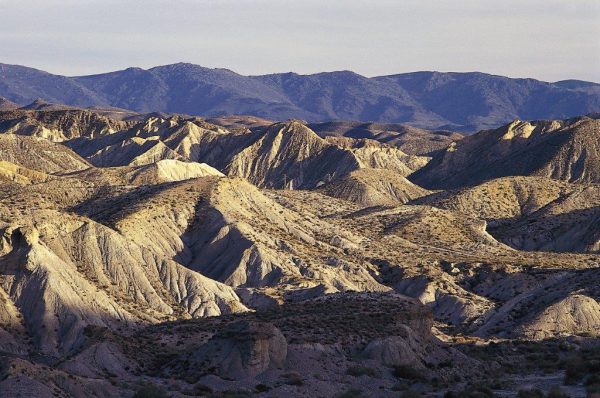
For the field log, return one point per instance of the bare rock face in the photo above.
(290, 155)
(134, 151)
(575, 314)
(167, 170)
(405, 349)
(244, 349)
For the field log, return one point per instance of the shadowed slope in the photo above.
(566, 150)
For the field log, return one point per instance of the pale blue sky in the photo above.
(545, 39)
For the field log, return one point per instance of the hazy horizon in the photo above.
(545, 40)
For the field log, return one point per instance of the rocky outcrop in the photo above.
(243, 349)
(228, 230)
(134, 151)
(576, 314)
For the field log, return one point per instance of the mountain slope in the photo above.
(506, 198)
(567, 150)
(24, 85)
(458, 101)
(291, 155)
(161, 272)
(373, 187)
(6, 105)
(568, 224)
(286, 154)
(411, 140)
(59, 125)
(64, 272)
(531, 213)
(486, 101)
(229, 231)
(39, 154)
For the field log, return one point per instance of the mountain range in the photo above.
(464, 102)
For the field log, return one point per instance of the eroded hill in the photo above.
(560, 149)
(174, 254)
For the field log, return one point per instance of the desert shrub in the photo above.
(575, 370)
(407, 372)
(293, 379)
(262, 388)
(358, 371)
(231, 394)
(201, 390)
(150, 391)
(474, 392)
(530, 394)
(592, 383)
(352, 393)
(556, 392)
(592, 389)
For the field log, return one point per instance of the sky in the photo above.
(545, 39)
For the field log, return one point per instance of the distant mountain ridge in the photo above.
(435, 100)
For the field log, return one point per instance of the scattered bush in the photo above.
(575, 370)
(262, 388)
(556, 392)
(150, 391)
(293, 379)
(231, 394)
(409, 373)
(530, 394)
(358, 371)
(352, 393)
(201, 389)
(473, 392)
